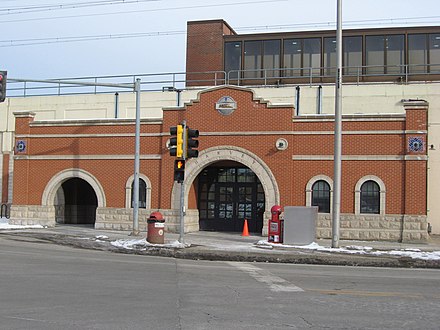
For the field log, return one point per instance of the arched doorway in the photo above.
(229, 193)
(80, 202)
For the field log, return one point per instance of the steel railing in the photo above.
(174, 81)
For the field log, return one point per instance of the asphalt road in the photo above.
(48, 286)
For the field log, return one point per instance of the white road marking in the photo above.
(275, 283)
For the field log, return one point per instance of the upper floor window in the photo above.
(352, 55)
(233, 58)
(385, 54)
(417, 53)
(321, 196)
(434, 53)
(302, 57)
(370, 198)
(252, 59)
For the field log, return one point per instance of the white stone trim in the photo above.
(86, 157)
(58, 179)
(310, 185)
(128, 185)
(358, 157)
(357, 193)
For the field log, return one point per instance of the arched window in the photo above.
(321, 196)
(142, 194)
(319, 193)
(370, 198)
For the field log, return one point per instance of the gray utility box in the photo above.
(300, 224)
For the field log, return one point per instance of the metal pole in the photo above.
(338, 132)
(137, 88)
(182, 192)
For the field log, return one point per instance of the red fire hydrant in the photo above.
(275, 225)
(156, 228)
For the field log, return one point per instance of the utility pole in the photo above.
(137, 89)
(336, 214)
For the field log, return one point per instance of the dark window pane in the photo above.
(321, 196)
(292, 57)
(252, 59)
(232, 58)
(312, 56)
(434, 53)
(395, 53)
(271, 58)
(352, 61)
(142, 194)
(370, 198)
(418, 53)
(330, 56)
(375, 58)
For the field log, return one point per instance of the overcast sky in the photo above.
(51, 26)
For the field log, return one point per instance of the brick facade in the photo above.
(101, 152)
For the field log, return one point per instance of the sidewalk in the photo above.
(234, 247)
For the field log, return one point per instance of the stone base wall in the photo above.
(32, 215)
(122, 219)
(397, 228)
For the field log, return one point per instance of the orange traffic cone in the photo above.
(245, 229)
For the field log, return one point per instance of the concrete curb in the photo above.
(293, 256)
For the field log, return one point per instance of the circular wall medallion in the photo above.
(226, 105)
(281, 144)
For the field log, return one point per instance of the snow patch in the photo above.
(143, 244)
(363, 250)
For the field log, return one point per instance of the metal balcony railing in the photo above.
(177, 81)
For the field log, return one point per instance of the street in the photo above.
(47, 286)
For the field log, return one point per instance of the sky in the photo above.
(39, 38)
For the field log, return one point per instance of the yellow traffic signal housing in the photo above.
(176, 141)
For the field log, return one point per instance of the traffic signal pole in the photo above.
(182, 191)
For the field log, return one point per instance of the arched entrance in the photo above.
(239, 155)
(80, 202)
(229, 193)
(75, 194)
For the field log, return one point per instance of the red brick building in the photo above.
(252, 156)
(254, 152)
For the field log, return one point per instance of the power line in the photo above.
(53, 40)
(140, 11)
(74, 5)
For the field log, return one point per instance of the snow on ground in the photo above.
(144, 244)
(4, 224)
(364, 250)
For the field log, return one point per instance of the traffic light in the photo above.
(176, 141)
(179, 170)
(192, 143)
(3, 75)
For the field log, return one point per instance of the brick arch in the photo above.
(240, 155)
(58, 179)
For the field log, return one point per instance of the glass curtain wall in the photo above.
(417, 53)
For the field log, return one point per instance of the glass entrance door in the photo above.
(228, 196)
